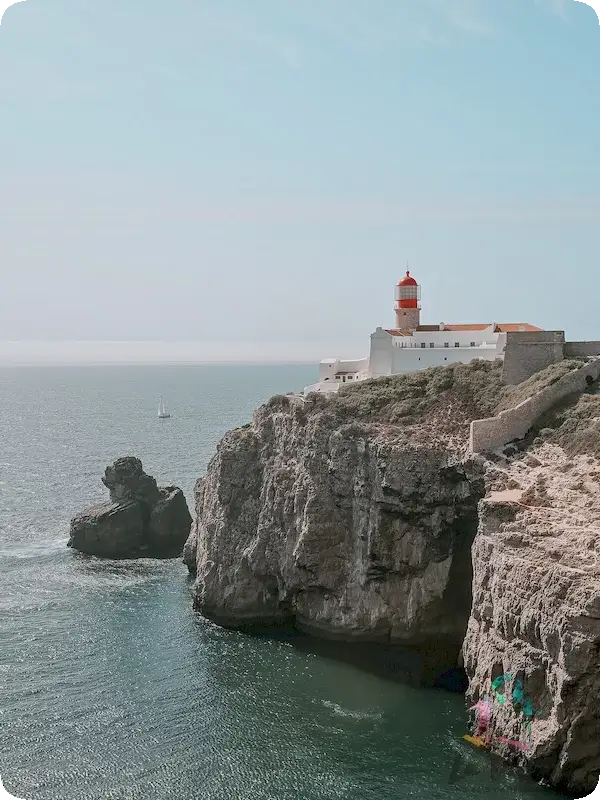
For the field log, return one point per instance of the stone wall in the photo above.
(514, 423)
(582, 349)
(529, 352)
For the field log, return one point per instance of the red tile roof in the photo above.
(478, 327)
(512, 327)
(500, 327)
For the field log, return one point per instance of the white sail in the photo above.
(162, 413)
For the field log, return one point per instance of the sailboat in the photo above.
(162, 411)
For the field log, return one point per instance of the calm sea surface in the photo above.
(110, 685)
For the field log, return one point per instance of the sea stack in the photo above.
(141, 520)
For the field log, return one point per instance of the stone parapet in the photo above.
(582, 349)
(512, 424)
(528, 352)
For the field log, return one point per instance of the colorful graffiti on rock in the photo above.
(484, 710)
(485, 728)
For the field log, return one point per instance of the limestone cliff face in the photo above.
(536, 605)
(356, 531)
(363, 517)
(348, 533)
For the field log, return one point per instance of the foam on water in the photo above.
(346, 712)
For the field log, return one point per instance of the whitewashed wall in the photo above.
(410, 359)
(464, 338)
(380, 358)
(329, 367)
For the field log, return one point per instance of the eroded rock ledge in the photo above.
(141, 519)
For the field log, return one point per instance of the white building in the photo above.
(411, 346)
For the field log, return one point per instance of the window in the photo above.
(446, 344)
(349, 377)
(456, 344)
(472, 344)
(423, 344)
(431, 344)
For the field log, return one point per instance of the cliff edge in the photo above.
(535, 620)
(352, 516)
(363, 516)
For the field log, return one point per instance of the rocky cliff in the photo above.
(536, 597)
(141, 519)
(352, 515)
(346, 515)
(362, 516)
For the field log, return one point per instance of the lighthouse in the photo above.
(410, 346)
(407, 308)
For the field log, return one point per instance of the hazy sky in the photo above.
(260, 171)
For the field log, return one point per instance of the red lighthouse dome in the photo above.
(407, 280)
(408, 292)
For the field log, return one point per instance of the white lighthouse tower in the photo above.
(407, 308)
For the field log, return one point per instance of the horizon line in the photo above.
(174, 363)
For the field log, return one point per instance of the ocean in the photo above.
(112, 687)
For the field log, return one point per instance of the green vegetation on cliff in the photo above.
(451, 397)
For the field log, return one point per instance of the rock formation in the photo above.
(355, 529)
(141, 519)
(363, 517)
(536, 596)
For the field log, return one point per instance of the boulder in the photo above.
(110, 530)
(168, 515)
(189, 551)
(126, 480)
(141, 519)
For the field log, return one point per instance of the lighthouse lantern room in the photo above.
(407, 308)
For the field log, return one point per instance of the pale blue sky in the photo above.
(260, 171)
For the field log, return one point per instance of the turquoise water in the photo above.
(111, 687)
